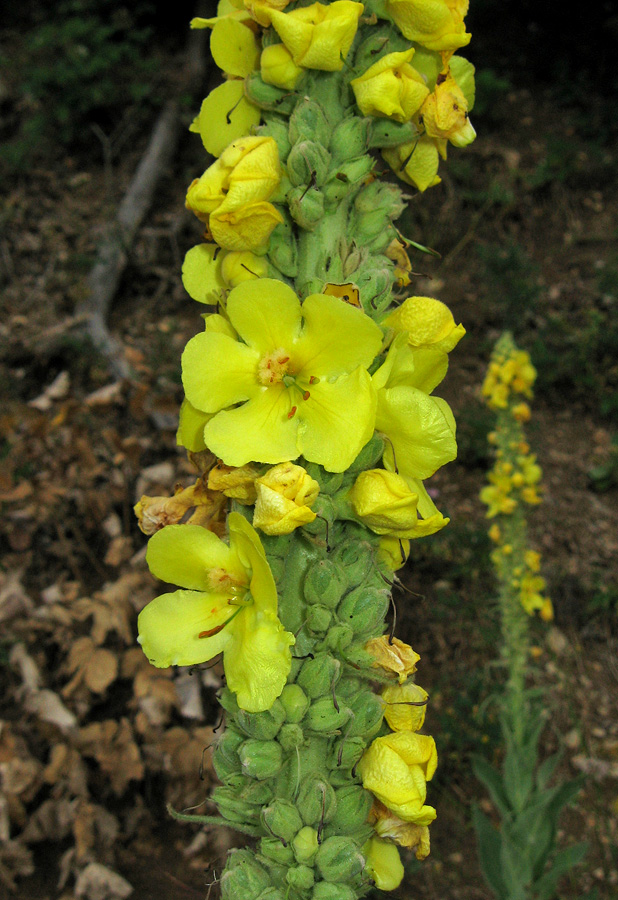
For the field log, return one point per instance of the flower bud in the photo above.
(338, 637)
(393, 655)
(325, 583)
(306, 206)
(405, 706)
(383, 864)
(393, 552)
(260, 759)
(282, 819)
(262, 725)
(238, 266)
(233, 808)
(376, 280)
(353, 805)
(272, 893)
(350, 138)
(267, 96)
(318, 619)
(285, 494)
(243, 877)
(257, 793)
(305, 844)
(339, 860)
(274, 849)
(291, 736)
(385, 133)
(300, 877)
(325, 890)
(282, 250)
(308, 163)
(348, 172)
(308, 122)
(278, 68)
(369, 455)
(316, 801)
(368, 712)
(278, 130)
(324, 718)
(295, 702)
(356, 558)
(319, 675)
(346, 752)
(225, 756)
(329, 482)
(364, 609)
(383, 501)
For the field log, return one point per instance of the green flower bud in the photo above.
(227, 699)
(387, 133)
(339, 860)
(225, 756)
(267, 96)
(364, 609)
(325, 890)
(325, 583)
(278, 129)
(338, 637)
(353, 805)
(295, 702)
(301, 877)
(306, 206)
(273, 894)
(308, 122)
(308, 163)
(316, 801)
(318, 618)
(261, 759)
(379, 42)
(305, 844)
(318, 675)
(350, 138)
(233, 808)
(226, 769)
(263, 725)
(329, 482)
(346, 752)
(282, 249)
(324, 718)
(368, 711)
(290, 737)
(273, 849)
(258, 793)
(356, 558)
(243, 877)
(375, 283)
(379, 197)
(369, 456)
(282, 819)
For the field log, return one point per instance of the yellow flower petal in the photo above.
(416, 163)
(186, 554)
(201, 273)
(405, 706)
(204, 358)
(391, 88)
(319, 36)
(382, 864)
(225, 116)
(266, 314)
(436, 24)
(170, 626)
(427, 322)
(277, 67)
(393, 655)
(191, 426)
(234, 47)
(247, 228)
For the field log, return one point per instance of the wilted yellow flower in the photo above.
(154, 513)
(284, 497)
(445, 115)
(382, 864)
(319, 36)
(416, 162)
(391, 88)
(236, 483)
(427, 322)
(277, 67)
(231, 195)
(396, 768)
(435, 24)
(396, 251)
(405, 706)
(393, 552)
(390, 827)
(383, 501)
(393, 655)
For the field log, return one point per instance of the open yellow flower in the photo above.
(391, 88)
(295, 382)
(231, 196)
(420, 429)
(415, 162)
(229, 607)
(318, 36)
(435, 24)
(382, 864)
(285, 495)
(396, 769)
(427, 322)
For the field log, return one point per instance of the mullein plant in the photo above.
(519, 859)
(309, 413)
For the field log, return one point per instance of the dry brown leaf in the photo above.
(185, 750)
(94, 828)
(111, 743)
(97, 882)
(52, 821)
(93, 666)
(15, 862)
(14, 601)
(48, 707)
(66, 771)
(119, 551)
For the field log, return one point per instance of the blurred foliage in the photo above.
(512, 279)
(605, 476)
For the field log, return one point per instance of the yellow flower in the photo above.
(521, 412)
(531, 587)
(383, 501)
(230, 607)
(445, 115)
(416, 162)
(406, 834)
(420, 429)
(154, 513)
(393, 552)
(284, 497)
(405, 706)
(231, 195)
(391, 88)
(225, 116)
(435, 24)
(319, 36)
(382, 864)
(191, 424)
(396, 769)
(260, 10)
(393, 655)
(234, 47)
(236, 483)
(277, 67)
(427, 322)
(396, 251)
(283, 388)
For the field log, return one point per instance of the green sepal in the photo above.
(243, 877)
(275, 850)
(261, 759)
(339, 860)
(316, 801)
(323, 717)
(282, 819)
(319, 675)
(308, 122)
(325, 583)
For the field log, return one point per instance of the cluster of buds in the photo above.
(309, 410)
(515, 478)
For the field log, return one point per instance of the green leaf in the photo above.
(489, 846)
(546, 770)
(545, 887)
(493, 782)
(516, 870)
(518, 778)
